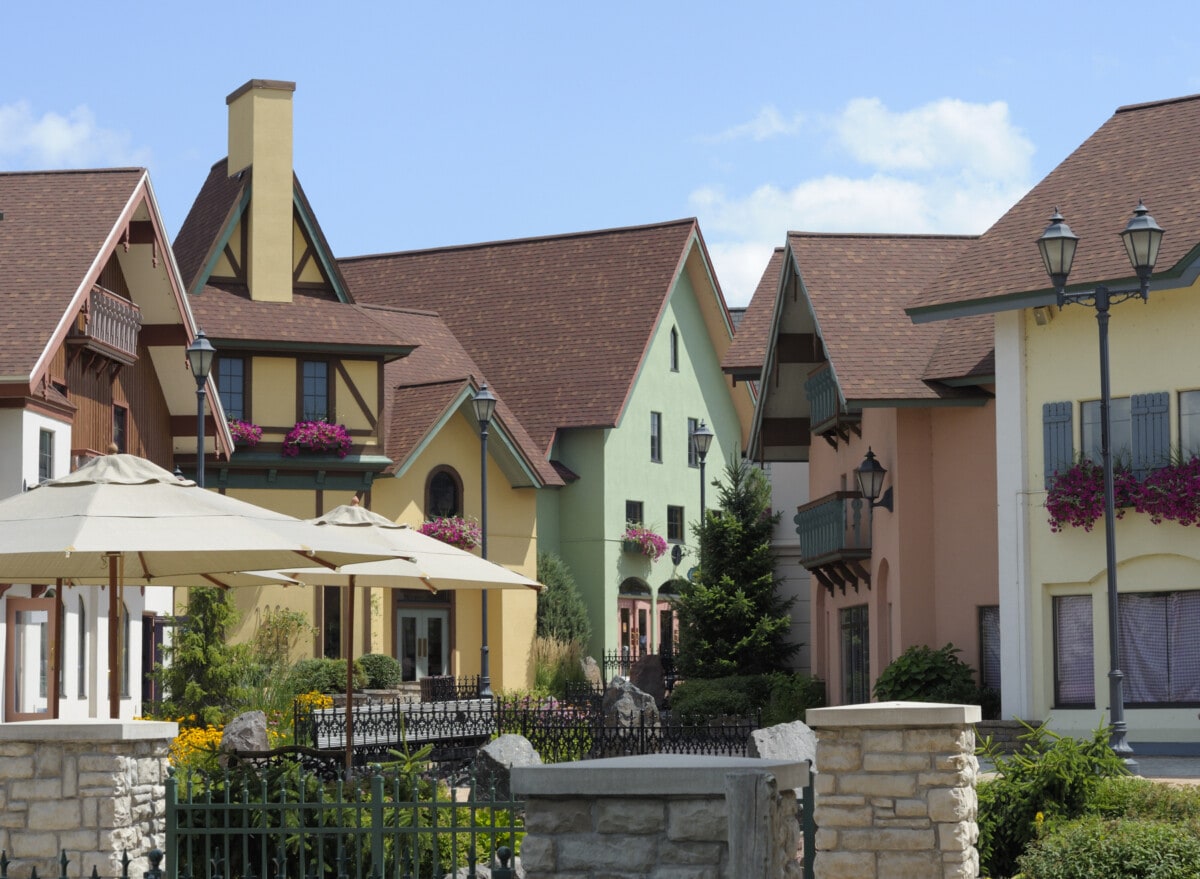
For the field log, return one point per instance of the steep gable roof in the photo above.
(1145, 151)
(746, 355)
(315, 320)
(52, 246)
(857, 286)
(424, 388)
(559, 324)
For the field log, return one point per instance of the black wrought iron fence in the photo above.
(621, 662)
(59, 868)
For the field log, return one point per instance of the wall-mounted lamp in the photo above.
(870, 482)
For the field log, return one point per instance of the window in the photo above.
(856, 655)
(674, 350)
(633, 512)
(656, 437)
(231, 386)
(989, 647)
(1189, 423)
(693, 458)
(1122, 429)
(1160, 647)
(1074, 665)
(120, 423)
(675, 524)
(45, 455)
(1140, 432)
(443, 493)
(82, 664)
(331, 618)
(314, 390)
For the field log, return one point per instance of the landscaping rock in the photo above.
(786, 741)
(647, 676)
(246, 732)
(495, 760)
(627, 707)
(591, 671)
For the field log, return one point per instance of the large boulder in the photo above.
(591, 671)
(495, 760)
(627, 707)
(246, 732)
(786, 741)
(647, 676)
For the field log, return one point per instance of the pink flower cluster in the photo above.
(316, 436)
(454, 530)
(245, 433)
(1171, 493)
(645, 541)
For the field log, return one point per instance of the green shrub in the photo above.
(561, 613)
(382, 671)
(323, 676)
(1092, 847)
(923, 674)
(737, 695)
(791, 696)
(1131, 797)
(1051, 775)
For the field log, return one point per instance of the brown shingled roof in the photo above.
(858, 286)
(54, 228)
(1145, 151)
(749, 348)
(559, 324)
(420, 387)
(209, 214)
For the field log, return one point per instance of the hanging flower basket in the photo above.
(245, 433)
(454, 530)
(316, 437)
(1076, 497)
(637, 539)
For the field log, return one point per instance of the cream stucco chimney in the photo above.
(260, 137)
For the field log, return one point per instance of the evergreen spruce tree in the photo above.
(732, 620)
(561, 613)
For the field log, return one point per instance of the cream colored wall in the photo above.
(365, 376)
(273, 395)
(1152, 348)
(512, 532)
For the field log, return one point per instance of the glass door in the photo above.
(30, 662)
(422, 642)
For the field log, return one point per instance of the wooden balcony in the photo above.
(107, 326)
(829, 418)
(835, 539)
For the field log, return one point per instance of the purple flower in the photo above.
(454, 530)
(316, 436)
(245, 433)
(645, 541)
(1076, 497)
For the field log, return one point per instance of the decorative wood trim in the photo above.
(354, 392)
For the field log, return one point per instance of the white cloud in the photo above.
(56, 141)
(767, 124)
(946, 167)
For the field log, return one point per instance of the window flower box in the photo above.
(245, 433)
(455, 530)
(316, 438)
(1075, 498)
(643, 541)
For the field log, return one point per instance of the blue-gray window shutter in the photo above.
(1150, 414)
(1058, 437)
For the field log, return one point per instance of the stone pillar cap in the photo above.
(894, 714)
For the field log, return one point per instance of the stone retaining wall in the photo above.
(896, 791)
(94, 789)
(662, 816)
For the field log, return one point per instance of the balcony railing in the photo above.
(835, 537)
(108, 325)
(826, 414)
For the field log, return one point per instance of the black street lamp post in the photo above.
(200, 358)
(1142, 237)
(485, 406)
(702, 437)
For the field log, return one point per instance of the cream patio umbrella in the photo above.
(420, 561)
(122, 511)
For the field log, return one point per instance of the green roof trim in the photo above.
(325, 259)
(226, 233)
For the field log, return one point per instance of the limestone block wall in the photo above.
(94, 789)
(896, 791)
(661, 816)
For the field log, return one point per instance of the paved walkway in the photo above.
(1185, 770)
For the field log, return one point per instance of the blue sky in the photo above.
(425, 125)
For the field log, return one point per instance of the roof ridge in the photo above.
(137, 169)
(1129, 108)
(398, 309)
(900, 236)
(507, 242)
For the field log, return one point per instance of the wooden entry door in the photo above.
(31, 661)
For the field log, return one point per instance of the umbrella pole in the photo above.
(114, 629)
(349, 628)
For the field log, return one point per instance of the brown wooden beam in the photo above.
(823, 580)
(799, 348)
(162, 336)
(786, 432)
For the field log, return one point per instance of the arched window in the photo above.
(443, 493)
(674, 350)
